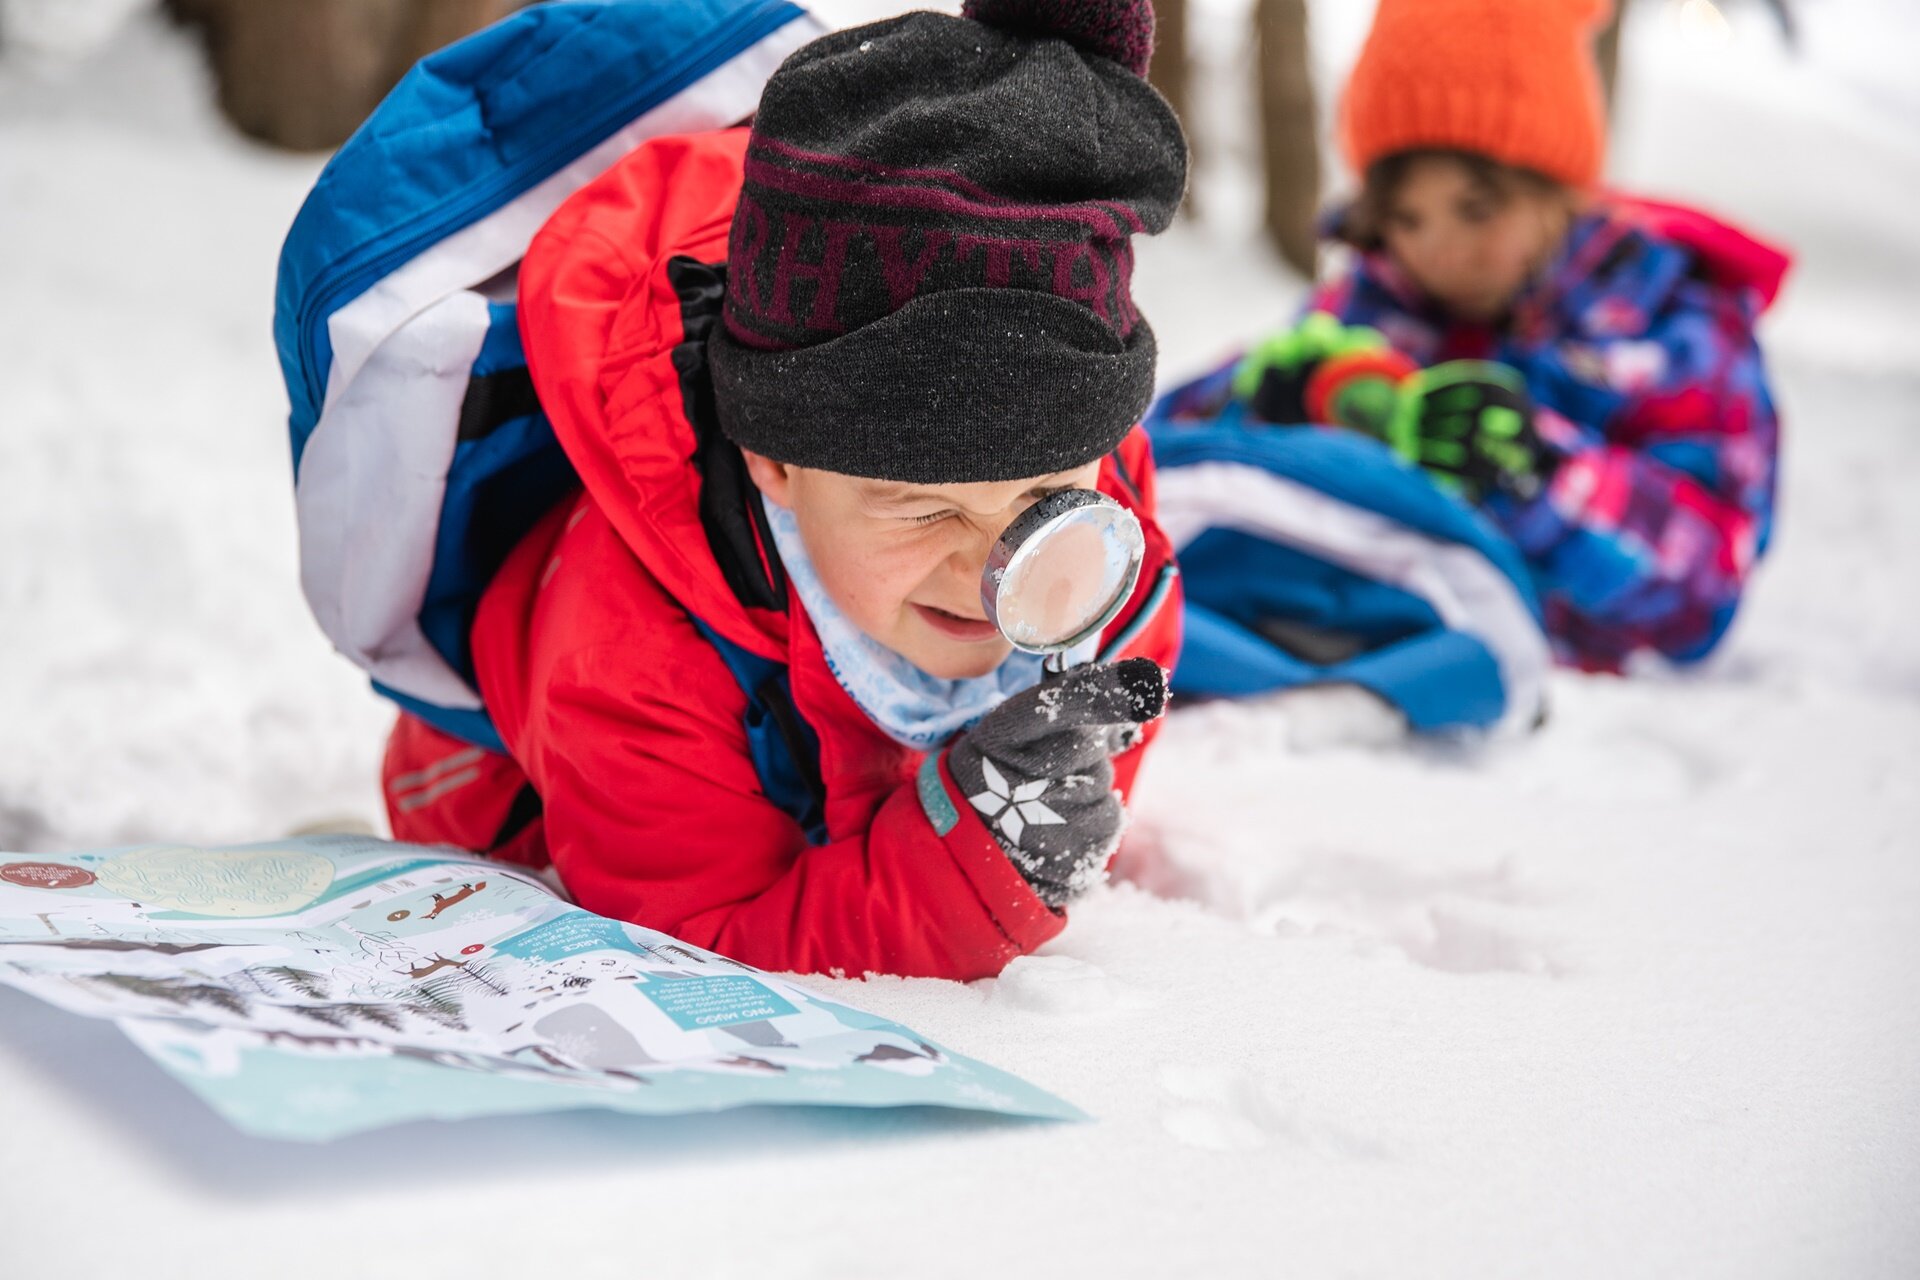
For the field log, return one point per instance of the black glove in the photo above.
(1039, 769)
(1470, 424)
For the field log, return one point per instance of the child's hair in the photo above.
(1363, 223)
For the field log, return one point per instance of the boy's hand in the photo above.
(1039, 770)
(1470, 424)
(1272, 378)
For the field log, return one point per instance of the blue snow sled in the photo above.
(421, 455)
(1314, 556)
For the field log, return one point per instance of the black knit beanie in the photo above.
(928, 271)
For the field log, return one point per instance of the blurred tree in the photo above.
(1289, 131)
(303, 74)
(1289, 128)
(1606, 51)
(1606, 48)
(1290, 153)
(1168, 70)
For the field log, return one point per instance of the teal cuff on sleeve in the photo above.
(934, 801)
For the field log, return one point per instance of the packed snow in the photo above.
(1638, 995)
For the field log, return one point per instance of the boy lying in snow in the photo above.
(922, 325)
(1580, 365)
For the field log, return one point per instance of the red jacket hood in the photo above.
(1732, 258)
(600, 320)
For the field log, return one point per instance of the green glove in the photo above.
(1272, 377)
(1469, 423)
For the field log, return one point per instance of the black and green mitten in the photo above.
(1272, 378)
(1469, 423)
(1039, 770)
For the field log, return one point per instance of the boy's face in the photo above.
(903, 561)
(1470, 245)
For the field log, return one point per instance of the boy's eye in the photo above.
(929, 519)
(1403, 222)
(1475, 211)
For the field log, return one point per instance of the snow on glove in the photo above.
(1272, 378)
(1469, 423)
(1039, 769)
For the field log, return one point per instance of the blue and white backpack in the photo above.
(1312, 556)
(420, 452)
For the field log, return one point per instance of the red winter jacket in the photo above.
(625, 719)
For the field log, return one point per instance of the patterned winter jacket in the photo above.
(1638, 344)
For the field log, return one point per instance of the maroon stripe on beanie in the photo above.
(768, 265)
(747, 336)
(947, 177)
(760, 296)
(812, 186)
(901, 276)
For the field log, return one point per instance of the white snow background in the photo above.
(1637, 997)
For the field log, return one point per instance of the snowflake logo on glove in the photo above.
(1013, 809)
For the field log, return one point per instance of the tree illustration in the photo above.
(176, 991)
(307, 983)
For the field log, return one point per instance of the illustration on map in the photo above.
(313, 987)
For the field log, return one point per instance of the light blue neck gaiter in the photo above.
(913, 708)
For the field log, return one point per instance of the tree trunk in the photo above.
(303, 74)
(1290, 142)
(434, 24)
(1168, 70)
(1606, 51)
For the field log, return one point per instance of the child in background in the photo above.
(808, 373)
(1579, 364)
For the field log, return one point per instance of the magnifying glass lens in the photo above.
(1062, 571)
(1055, 594)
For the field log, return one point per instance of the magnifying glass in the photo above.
(1062, 571)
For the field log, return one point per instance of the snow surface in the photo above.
(1636, 997)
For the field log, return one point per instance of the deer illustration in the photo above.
(441, 903)
(436, 965)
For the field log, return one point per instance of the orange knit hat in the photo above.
(1511, 79)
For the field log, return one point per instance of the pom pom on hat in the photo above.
(1118, 29)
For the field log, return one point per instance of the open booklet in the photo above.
(314, 987)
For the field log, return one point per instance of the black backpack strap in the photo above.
(786, 751)
(521, 814)
(784, 747)
(731, 509)
(495, 399)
